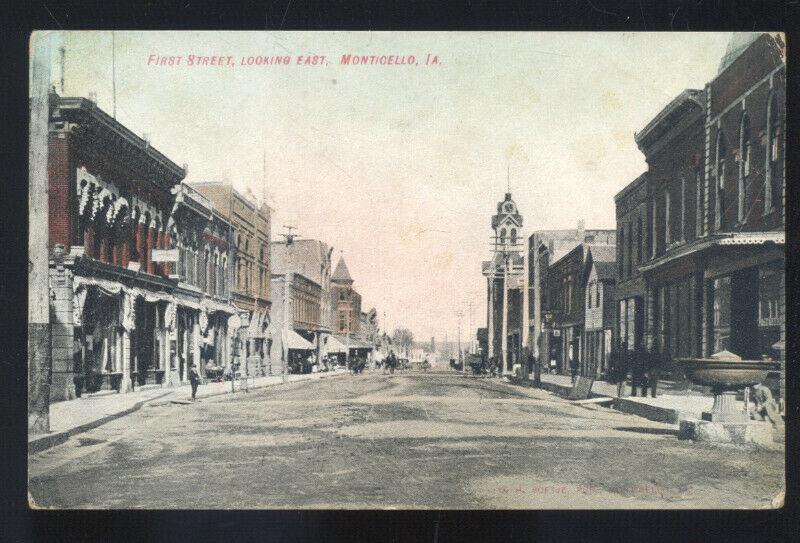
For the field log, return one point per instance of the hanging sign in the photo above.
(164, 255)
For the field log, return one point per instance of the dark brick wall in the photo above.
(680, 160)
(60, 200)
(755, 63)
(756, 218)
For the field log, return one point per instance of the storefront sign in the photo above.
(164, 255)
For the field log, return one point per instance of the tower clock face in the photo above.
(509, 208)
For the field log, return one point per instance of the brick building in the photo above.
(564, 308)
(297, 311)
(110, 198)
(203, 240)
(346, 310)
(549, 288)
(632, 212)
(250, 293)
(311, 258)
(714, 264)
(673, 146)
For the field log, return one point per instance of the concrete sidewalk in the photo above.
(666, 407)
(72, 417)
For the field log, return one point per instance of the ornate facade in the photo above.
(110, 197)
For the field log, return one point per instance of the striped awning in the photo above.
(293, 340)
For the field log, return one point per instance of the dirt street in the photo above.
(420, 441)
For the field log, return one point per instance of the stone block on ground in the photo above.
(738, 433)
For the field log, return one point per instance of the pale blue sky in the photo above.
(401, 167)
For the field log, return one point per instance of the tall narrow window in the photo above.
(667, 226)
(744, 164)
(629, 256)
(653, 228)
(639, 234)
(720, 167)
(623, 256)
(698, 219)
(682, 234)
(771, 187)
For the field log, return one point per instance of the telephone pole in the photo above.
(460, 314)
(39, 331)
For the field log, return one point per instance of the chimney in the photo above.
(93, 97)
(581, 230)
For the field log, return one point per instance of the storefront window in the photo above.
(771, 319)
(721, 327)
(631, 324)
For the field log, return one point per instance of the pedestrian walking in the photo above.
(573, 363)
(194, 379)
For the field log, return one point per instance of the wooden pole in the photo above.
(39, 332)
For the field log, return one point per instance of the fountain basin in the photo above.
(722, 375)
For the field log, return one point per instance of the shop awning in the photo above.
(334, 345)
(211, 306)
(723, 239)
(113, 288)
(353, 343)
(293, 340)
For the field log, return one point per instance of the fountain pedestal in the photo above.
(726, 373)
(724, 408)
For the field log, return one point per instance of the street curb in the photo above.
(51, 440)
(623, 405)
(267, 385)
(47, 441)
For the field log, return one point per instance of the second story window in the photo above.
(639, 234)
(629, 251)
(623, 256)
(720, 170)
(744, 164)
(771, 185)
(667, 222)
(653, 228)
(699, 206)
(682, 233)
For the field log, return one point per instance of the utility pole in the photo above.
(537, 315)
(39, 331)
(470, 329)
(504, 329)
(507, 250)
(460, 314)
(113, 74)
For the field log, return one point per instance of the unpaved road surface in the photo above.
(422, 441)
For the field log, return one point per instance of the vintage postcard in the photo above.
(407, 270)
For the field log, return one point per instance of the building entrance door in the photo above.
(744, 313)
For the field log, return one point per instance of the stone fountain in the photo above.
(726, 374)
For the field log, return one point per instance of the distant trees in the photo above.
(403, 339)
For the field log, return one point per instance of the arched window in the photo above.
(771, 187)
(502, 236)
(224, 275)
(513, 236)
(744, 163)
(721, 151)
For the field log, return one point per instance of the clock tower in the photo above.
(502, 273)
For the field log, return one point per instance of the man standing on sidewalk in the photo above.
(194, 379)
